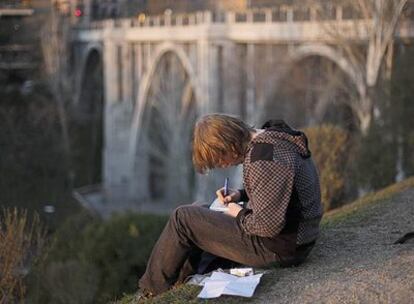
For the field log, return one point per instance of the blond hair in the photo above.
(219, 137)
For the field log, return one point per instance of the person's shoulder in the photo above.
(270, 148)
(265, 146)
(261, 151)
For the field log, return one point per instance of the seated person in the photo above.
(280, 223)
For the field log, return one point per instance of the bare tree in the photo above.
(366, 40)
(374, 21)
(55, 45)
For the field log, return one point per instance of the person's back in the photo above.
(279, 157)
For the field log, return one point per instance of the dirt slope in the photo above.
(355, 261)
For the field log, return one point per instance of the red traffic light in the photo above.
(78, 12)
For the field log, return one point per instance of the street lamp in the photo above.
(49, 210)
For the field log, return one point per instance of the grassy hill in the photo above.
(354, 260)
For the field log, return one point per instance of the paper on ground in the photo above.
(241, 272)
(222, 283)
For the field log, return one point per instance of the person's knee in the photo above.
(183, 219)
(183, 209)
(180, 213)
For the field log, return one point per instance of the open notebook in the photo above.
(217, 206)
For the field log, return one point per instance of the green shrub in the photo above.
(71, 281)
(376, 156)
(330, 146)
(409, 157)
(95, 261)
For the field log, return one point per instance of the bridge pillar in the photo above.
(207, 70)
(251, 83)
(127, 73)
(111, 68)
(232, 71)
(117, 120)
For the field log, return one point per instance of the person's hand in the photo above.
(232, 196)
(234, 209)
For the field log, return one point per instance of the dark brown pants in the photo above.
(191, 230)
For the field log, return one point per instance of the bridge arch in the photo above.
(343, 63)
(324, 52)
(92, 49)
(320, 106)
(146, 85)
(329, 52)
(169, 86)
(87, 122)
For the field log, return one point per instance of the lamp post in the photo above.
(49, 210)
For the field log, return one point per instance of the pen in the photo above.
(226, 186)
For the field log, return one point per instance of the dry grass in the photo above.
(21, 239)
(352, 209)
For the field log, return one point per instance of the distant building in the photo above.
(20, 30)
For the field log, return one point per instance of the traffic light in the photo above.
(78, 12)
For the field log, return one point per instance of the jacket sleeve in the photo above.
(271, 185)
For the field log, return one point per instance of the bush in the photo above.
(376, 158)
(94, 261)
(21, 240)
(71, 281)
(409, 157)
(330, 146)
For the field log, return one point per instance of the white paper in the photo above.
(216, 205)
(241, 272)
(222, 283)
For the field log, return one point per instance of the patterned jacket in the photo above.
(281, 184)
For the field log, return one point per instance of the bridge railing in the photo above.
(259, 15)
(283, 13)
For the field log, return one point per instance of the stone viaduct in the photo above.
(229, 62)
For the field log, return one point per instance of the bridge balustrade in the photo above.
(96, 25)
(302, 14)
(278, 15)
(283, 13)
